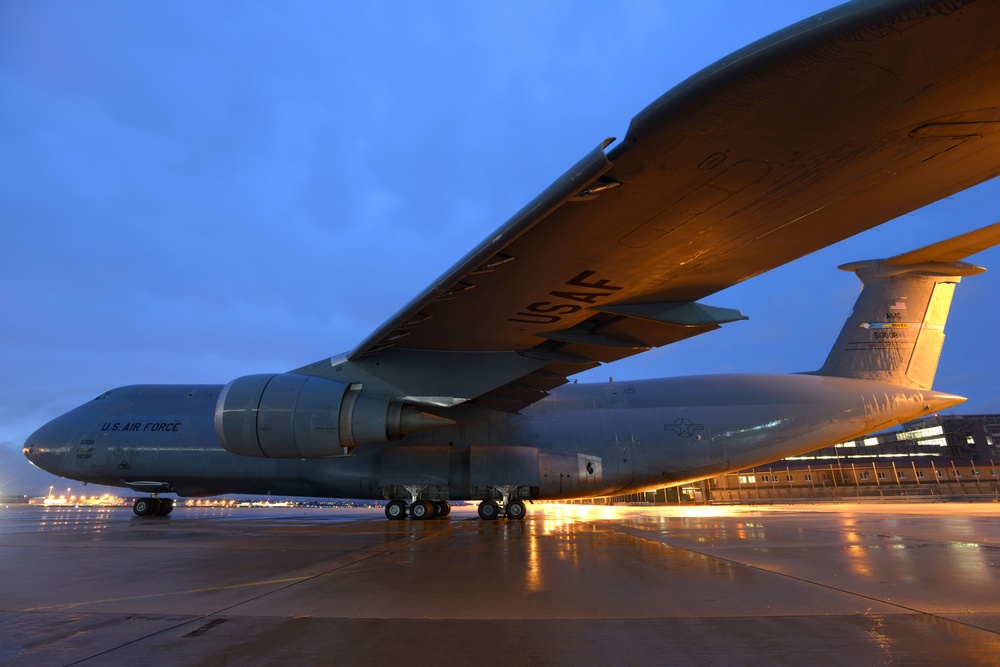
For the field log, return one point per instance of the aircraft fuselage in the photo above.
(585, 440)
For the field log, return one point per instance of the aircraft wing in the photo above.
(804, 138)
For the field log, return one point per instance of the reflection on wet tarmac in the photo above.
(867, 584)
(93, 519)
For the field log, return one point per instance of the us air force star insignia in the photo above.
(684, 427)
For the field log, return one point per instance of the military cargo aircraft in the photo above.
(813, 134)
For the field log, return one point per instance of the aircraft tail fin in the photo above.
(896, 330)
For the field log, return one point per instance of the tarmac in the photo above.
(845, 584)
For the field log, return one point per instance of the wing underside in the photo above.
(818, 132)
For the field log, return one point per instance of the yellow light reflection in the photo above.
(533, 575)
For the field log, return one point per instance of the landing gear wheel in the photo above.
(395, 509)
(515, 510)
(166, 506)
(143, 506)
(422, 509)
(442, 508)
(489, 510)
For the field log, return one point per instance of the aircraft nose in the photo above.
(43, 452)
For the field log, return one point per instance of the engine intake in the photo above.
(290, 416)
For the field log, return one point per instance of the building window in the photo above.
(826, 477)
(791, 478)
(940, 473)
(901, 474)
(881, 474)
(975, 472)
(920, 474)
(958, 473)
(809, 477)
(993, 472)
(863, 475)
(748, 479)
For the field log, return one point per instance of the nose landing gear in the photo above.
(153, 506)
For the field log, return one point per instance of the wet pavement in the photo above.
(851, 584)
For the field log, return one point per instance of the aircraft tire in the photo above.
(143, 506)
(395, 510)
(442, 508)
(166, 506)
(421, 510)
(489, 510)
(516, 510)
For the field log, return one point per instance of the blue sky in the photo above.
(197, 191)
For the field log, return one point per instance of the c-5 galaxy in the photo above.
(813, 134)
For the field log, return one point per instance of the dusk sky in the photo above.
(197, 191)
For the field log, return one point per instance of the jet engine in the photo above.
(291, 416)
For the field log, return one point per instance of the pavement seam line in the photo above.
(202, 617)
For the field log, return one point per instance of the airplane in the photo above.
(822, 130)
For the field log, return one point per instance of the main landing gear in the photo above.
(420, 510)
(153, 506)
(514, 510)
(489, 510)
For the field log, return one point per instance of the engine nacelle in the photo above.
(290, 416)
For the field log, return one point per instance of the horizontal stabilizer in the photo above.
(951, 250)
